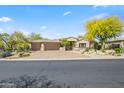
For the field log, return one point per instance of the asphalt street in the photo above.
(103, 73)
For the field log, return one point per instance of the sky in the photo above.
(53, 21)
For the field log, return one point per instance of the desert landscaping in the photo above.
(91, 45)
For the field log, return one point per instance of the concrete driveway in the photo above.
(54, 54)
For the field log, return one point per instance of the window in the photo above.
(115, 46)
(82, 45)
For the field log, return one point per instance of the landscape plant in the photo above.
(65, 43)
(35, 36)
(118, 51)
(103, 29)
(17, 42)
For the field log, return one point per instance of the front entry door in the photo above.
(42, 47)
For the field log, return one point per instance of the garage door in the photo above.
(36, 46)
(51, 46)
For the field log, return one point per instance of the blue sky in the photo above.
(53, 21)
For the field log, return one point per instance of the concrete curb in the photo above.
(61, 59)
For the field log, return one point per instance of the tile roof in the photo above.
(45, 41)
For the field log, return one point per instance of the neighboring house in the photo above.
(115, 44)
(45, 45)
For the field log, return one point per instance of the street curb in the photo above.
(61, 59)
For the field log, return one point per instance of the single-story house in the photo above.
(44, 45)
(115, 43)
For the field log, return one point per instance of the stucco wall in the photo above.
(88, 44)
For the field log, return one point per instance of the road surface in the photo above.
(76, 73)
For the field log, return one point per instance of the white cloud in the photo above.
(96, 6)
(100, 16)
(67, 13)
(5, 19)
(43, 27)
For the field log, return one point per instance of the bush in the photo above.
(8, 49)
(5, 54)
(118, 51)
(22, 47)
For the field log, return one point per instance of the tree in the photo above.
(22, 47)
(103, 29)
(18, 37)
(6, 35)
(65, 42)
(35, 36)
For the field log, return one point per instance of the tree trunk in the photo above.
(103, 46)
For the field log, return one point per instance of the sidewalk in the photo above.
(62, 59)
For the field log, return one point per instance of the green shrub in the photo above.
(117, 50)
(8, 49)
(22, 47)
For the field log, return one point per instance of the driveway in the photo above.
(54, 54)
(75, 73)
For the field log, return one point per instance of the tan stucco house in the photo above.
(115, 43)
(44, 45)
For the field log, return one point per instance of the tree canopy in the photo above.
(103, 29)
(18, 36)
(35, 36)
(65, 42)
